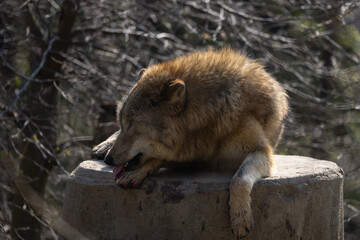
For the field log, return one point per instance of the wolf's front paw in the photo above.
(131, 179)
(241, 222)
(101, 150)
(240, 210)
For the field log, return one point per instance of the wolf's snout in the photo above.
(134, 162)
(109, 160)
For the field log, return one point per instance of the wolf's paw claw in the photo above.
(131, 179)
(241, 224)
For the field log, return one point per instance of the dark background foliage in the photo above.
(65, 63)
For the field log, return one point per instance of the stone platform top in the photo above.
(289, 169)
(301, 200)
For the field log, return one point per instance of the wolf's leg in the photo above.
(101, 150)
(257, 164)
(135, 177)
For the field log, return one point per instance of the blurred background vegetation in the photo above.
(65, 63)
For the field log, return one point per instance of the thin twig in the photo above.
(28, 79)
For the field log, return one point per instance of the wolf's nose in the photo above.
(109, 160)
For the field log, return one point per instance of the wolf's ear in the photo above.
(175, 91)
(140, 73)
(175, 96)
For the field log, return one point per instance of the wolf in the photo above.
(216, 107)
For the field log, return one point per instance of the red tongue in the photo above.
(117, 170)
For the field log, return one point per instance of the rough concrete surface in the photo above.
(302, 200)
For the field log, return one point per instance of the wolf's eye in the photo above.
(131, 123)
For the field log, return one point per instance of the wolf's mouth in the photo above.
(129, 166)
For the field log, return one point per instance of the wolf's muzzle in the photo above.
(109, 160)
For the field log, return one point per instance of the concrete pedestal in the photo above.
(302, 200)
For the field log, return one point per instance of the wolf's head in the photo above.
(146, 120)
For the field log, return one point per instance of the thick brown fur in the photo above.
(216, 107)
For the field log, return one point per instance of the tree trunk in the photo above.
(40, 110)
(325, 85)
